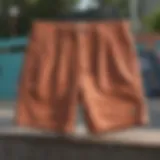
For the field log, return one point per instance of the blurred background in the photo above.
(16, 17)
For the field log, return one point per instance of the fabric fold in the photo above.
(93, 64)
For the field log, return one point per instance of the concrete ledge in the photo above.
(28, 144)
(141, 137)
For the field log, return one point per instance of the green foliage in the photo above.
(152, 22)
(48, 8)
(44, 9)
(32, 9)
(121, 4)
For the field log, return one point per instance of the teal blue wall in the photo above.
(10, 68)
(10, 65)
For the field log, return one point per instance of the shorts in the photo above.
(93, 64)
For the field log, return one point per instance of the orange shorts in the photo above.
(92, 64)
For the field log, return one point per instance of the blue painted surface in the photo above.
(10, 67)
(21, 41)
